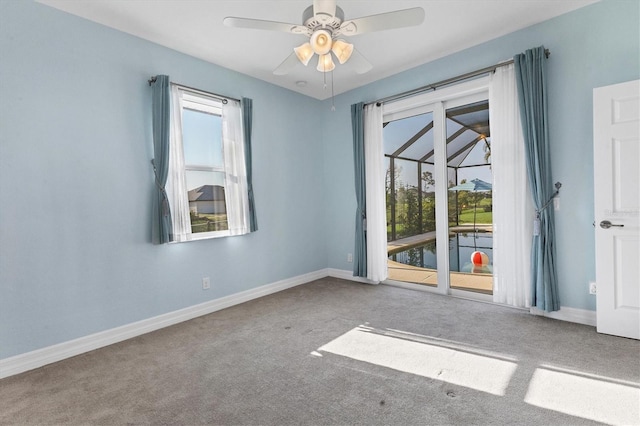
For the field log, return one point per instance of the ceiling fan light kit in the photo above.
(321, 41)
(325, 63)
(342, 50)
(304, 52)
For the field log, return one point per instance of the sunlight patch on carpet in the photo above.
(463, 366)
(589, 396)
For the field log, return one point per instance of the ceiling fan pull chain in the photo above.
(333, 104)
(324, 76)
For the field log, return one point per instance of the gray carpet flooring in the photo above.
(333, 352)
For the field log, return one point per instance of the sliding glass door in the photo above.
(435, 145)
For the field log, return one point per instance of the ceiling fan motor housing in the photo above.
(322, 20)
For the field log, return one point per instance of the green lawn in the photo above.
(482, 217)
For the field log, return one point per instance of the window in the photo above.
(207, 184)
(203, 163)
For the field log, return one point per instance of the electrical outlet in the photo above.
(349, 257)
(206, 283)
(592, 288)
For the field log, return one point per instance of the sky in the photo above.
(202, 140)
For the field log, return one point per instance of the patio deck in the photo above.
(481, 283)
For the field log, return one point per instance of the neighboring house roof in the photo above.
(207, 193)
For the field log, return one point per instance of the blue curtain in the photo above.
(247, 122)
(161, 230)
(531, 78)
(360, 250)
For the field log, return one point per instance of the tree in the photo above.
(429, 213)
(392, 198)
(411, 217)
(396, 178)
(427, 180)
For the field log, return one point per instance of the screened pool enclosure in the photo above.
(409, 156)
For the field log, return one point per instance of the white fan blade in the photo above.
(383, 21)
(324, 7)
(359, 62)
(287, 65)
(257, 24)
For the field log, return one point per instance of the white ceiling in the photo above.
(195, 27)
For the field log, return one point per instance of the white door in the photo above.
(616, 132)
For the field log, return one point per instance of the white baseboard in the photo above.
(580, 316)
(347, 275)
(38, 358)
(41, 357)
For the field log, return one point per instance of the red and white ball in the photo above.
(479, 258)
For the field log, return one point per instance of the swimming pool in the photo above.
(461, 245)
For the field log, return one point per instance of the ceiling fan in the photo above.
(324, 24)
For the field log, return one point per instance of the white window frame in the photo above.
(199, 101)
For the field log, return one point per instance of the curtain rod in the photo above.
(223, 98)
(451, 80)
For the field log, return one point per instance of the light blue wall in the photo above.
(594, 46)
(76, 183)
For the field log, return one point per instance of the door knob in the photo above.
(605, 224)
